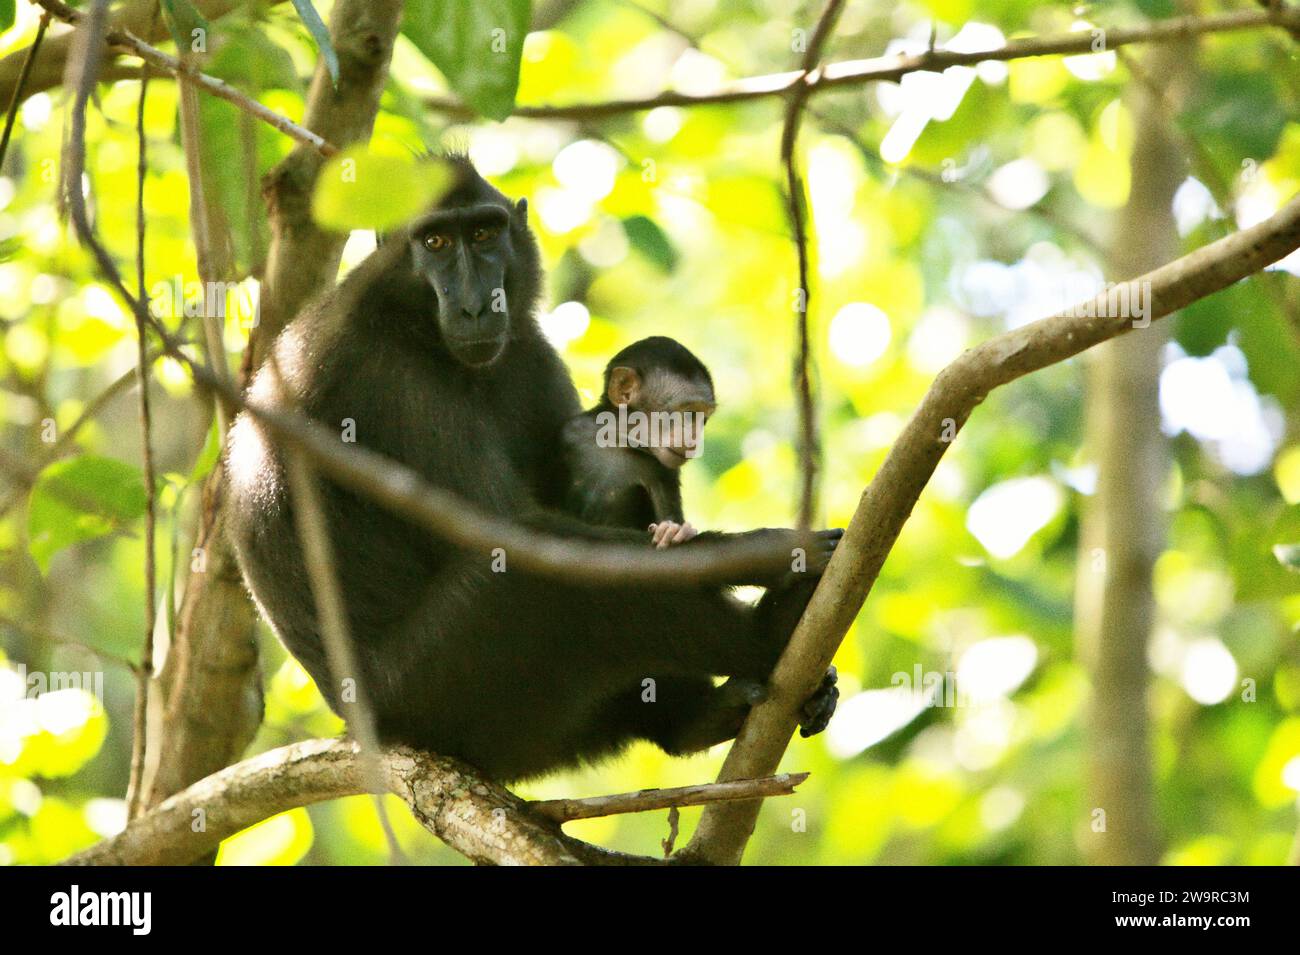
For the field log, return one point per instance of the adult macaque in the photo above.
(429, 352)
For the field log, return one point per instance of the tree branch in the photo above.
(136, 17)
(182, 70)
(144, 675)
(645, 800)
(796, 208)
(888, 500)
(850, 73)
(303, 259)
(474, 816)
(24, 73)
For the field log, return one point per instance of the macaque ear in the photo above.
(624, 386)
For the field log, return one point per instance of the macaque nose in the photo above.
(472, 305)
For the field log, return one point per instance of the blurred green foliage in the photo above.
(672, 222)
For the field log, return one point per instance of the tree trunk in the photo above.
(206, 702)
(1123, 523)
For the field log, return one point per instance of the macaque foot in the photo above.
(741, 691)
(667, 533)
(719, 718)
(815, 558)
(818, 708)
(824, 548)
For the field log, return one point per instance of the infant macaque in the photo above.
(624, 455)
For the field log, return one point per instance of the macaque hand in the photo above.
(666, 533)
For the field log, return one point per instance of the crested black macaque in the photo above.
(624, 458)
(624, 455)
(429, 352)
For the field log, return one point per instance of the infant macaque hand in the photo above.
(667, 533)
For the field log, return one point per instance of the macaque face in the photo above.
(682, 436)
(671, 412)
(467, 255)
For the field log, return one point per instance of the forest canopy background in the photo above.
(944, 209)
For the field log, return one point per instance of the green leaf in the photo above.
(208, 456)
(321, 34)
(1288, 555)
(235, 149)
(651, 241)
(362, 190)
(477, 44)
(182, 20)
(1156, 9)
(6, 14)
(250, 59)
(1237, 113)
(78, 499)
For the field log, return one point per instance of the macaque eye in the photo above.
(436, 242)
(484, 233)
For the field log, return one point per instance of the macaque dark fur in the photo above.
(514, 673)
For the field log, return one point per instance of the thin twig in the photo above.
(45, 636)
(145, 671)
(662, 21)
(118, 386)
(646, 800)
(331, 614)
(208, 232)
(796, 208)
(850, 73)
(209, 84)
(16, 100)
(669, 842)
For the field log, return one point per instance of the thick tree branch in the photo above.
(888, 500)
(471, 814)
(304, 259)
(849, 73)
(476, 817)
